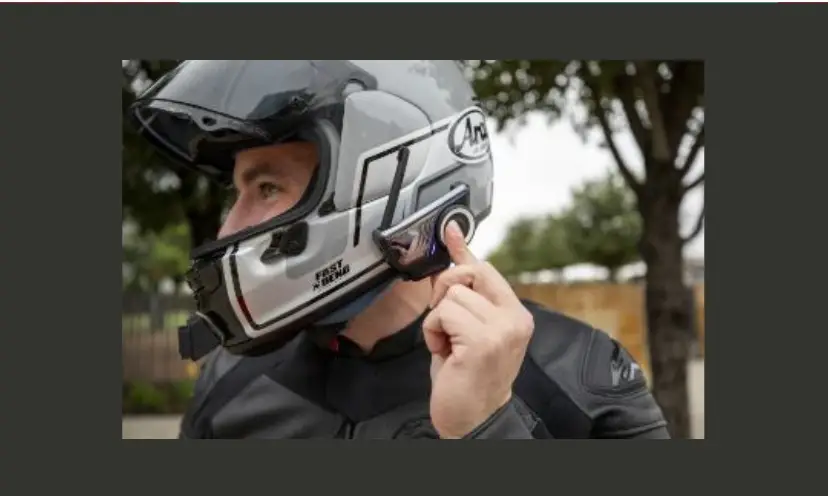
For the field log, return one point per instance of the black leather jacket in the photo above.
(576, 382)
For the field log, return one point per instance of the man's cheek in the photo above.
(267, 212)
(285, 202)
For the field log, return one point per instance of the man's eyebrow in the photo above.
(258, 170)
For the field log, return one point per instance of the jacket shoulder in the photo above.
(213, 367)
(595, 372)
(222, 377)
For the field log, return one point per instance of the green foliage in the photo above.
(552, 247)
(508, 89)
(141, 397)
(521, 239)
(148, 185)
(181, 392)
(503, 262)
(530, 245)
(603, 226)
(151, 257)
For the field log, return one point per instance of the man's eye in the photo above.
(268, 190)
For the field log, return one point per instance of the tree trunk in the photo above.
(667, 305)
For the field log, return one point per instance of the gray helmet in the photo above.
(403, 149)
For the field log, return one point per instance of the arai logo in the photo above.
(468, 138)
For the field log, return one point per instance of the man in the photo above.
(340, 299)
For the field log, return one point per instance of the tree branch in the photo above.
(646, 77)
(696, 229)
(694, 184)
(698, 144)
(597, 96)
(685, 87)
(627, 96)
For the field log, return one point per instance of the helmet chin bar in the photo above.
(413, 248)
(198, 337)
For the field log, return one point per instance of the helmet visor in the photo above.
(204, 111)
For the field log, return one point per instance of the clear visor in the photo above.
(205, 111)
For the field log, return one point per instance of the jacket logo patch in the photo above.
(623, 372)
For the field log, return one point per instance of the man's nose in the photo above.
(228, 228)
(238, 219)
(223, 232)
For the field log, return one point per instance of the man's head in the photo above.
(267, 182)
(338, 165)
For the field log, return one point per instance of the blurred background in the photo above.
(598, 213)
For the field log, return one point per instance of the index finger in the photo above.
(455, 242)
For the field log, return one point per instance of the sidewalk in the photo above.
(166, 426)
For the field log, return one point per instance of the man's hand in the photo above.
(477, 333)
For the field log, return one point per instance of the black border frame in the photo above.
(61, 133)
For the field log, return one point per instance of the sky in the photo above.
(537, 165)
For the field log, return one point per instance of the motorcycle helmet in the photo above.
(402, 147)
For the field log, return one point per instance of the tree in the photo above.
(661, 103)
(504, 262)
(552, 248)
(514, 255)
(150, 258)
(531, 245)
(156, 193)
(603, 226)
